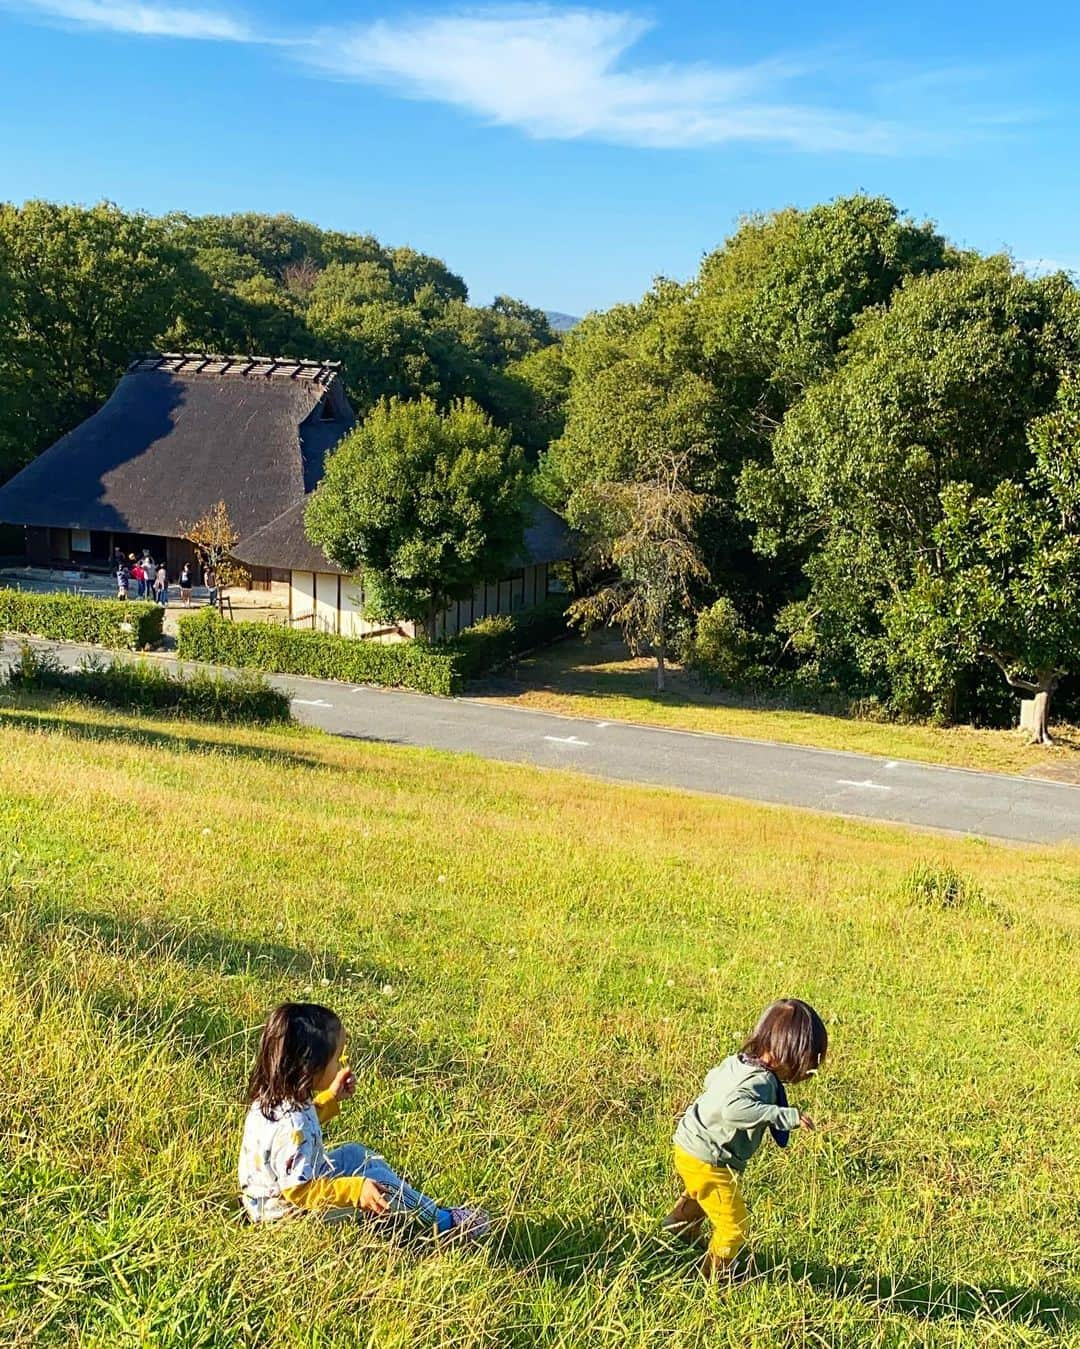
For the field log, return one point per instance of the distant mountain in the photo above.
(562, 323)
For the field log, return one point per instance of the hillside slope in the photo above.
(535, 970)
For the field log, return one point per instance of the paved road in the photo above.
(988, 804)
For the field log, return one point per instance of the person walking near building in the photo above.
(210, 582)
(139, 577)
(161, 586)
(185, 585)
(123, 576)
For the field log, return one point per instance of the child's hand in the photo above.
(805, 1122)
(373, 1198)
(343, 1085)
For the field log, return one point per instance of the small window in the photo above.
(326, 410)
(80, 540)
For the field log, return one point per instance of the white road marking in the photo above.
(568, 740)
(601, 724)
(874, 786)
(312, 702)
(892, 764)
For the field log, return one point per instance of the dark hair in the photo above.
(793, 1036)
(298, 1041)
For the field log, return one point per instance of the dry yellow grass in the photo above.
(595, 677)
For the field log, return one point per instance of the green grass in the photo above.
(536, 970)
(595, 677)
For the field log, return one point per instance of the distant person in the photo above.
(123, 576)
(297, 1085)
(149, 571)
(210, 582)
(161, 585)
(185, 585)
(139, 577)
(724, 1127)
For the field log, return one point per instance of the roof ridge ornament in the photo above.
(212, 364)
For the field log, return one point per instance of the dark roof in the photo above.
(180, 433)
(548, 538)
(283, 542)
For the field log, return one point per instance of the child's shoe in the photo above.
(469, 1224)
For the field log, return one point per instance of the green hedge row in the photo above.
(494, 641)
(81, 618)
(269, 646)
(440, 667)
(144, 687)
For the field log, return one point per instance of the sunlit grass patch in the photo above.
(598, 678)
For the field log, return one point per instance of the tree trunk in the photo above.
(1040, 734)
(660, 668)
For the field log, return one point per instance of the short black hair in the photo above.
(298, 1041)
(793, 1036)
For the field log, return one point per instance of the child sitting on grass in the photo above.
(724, 1127)
(297, 1085)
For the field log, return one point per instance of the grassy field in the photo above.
(595, 677)
(536, 971)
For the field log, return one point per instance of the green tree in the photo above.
(719, 362)
(1006, 585)
(779, 298)
(937, 389)
(427, 504)
(640, 539)
(541, 381)
(86, 290)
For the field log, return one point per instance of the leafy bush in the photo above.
(418, 665)
(149, 688)
(494, 641)
(722, 649)
(81, 618)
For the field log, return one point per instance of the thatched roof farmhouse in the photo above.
(181, 432)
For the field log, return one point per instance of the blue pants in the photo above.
(353, 1159)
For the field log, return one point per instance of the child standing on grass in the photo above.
(297, 1086)
(723, 1128)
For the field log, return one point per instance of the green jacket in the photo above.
(727, 1122)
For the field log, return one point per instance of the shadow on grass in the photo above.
(217, 951)
(926, 1299)
(29, 717)
(571, 1251)
(583, 680)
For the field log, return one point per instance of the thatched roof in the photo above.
(548, 538)
(283, 542)
(180, 433)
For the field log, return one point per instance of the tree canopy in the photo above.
(427, 504)
(82, 291)
(826, 378)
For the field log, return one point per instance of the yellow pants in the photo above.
(716, 1189)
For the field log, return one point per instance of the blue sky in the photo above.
(562, 154)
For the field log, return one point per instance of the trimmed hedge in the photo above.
(143, 687)
(418, 665)
(439, 667)
(496, 640)
(129, 624)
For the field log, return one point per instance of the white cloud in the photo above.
(560, 74)
(147, 20)
(567, 73)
